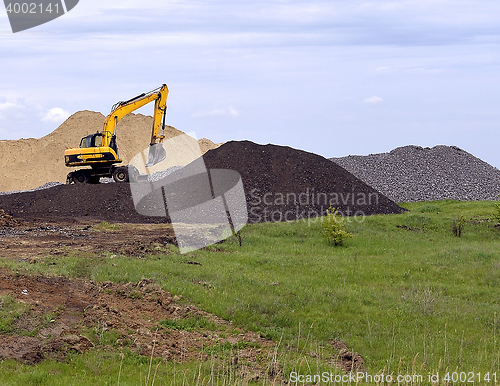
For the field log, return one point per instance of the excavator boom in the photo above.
(122, 109)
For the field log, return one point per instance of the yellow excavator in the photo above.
(99, 152)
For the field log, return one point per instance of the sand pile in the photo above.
(30, 163)
(280, 183)
(414, 173)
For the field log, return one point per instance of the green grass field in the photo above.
(404, 292)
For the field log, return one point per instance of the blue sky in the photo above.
(330, 77)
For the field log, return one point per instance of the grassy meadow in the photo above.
(404, 292)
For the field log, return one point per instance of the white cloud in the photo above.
(11, 110)
(230, 111)
(373, 100)
(56, 115)
(10, 105)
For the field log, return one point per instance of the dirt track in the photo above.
(29, 240)
(77, 305)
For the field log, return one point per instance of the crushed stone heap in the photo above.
(413, 173)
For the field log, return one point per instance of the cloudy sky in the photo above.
(330, 77)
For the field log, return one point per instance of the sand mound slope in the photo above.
(29, 163)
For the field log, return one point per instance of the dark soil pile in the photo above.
(105, 202)
(280, 183)
(284, 184)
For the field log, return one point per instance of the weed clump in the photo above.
(334, 227)
(104, 226)
(497, 209)
(458, 226)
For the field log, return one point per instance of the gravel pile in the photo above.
(413, 173)
(44, 186)
(157, 176)
(104, 202)
(284, 184)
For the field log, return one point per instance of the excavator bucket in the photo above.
(156, 154)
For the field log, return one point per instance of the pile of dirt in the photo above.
(106, 202)
(280, 183)
(82, 311)
(284, 184)
(414, 173)
(29, 163)
(345, 359)
(7, 221)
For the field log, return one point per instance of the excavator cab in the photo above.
(91, 140)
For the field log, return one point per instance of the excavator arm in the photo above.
(121, 109)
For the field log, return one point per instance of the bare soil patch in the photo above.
(63, 315)
(29, 240)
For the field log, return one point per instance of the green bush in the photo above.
(334, 227)
(497, 208)
(458, 226)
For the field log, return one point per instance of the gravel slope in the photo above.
(413, 173)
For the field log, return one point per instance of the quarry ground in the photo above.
(32, 239)
(45, 317)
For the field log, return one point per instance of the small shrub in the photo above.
(458, 226)
(103, 226)
(497, 213)
(334, 227)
